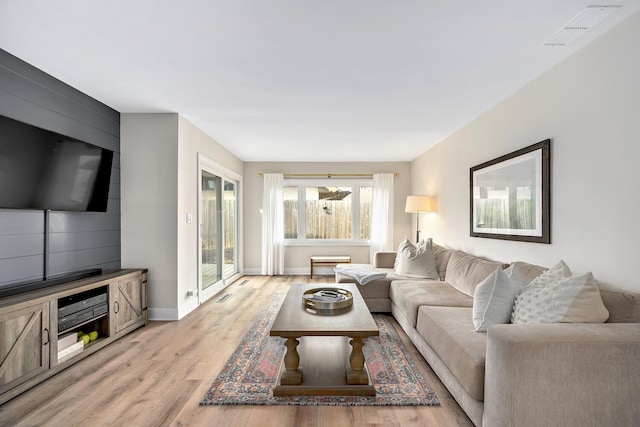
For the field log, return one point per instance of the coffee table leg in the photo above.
(291, 375)
(356, 373)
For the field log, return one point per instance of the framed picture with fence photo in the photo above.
(510, 196)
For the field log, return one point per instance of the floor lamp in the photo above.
(417, 205)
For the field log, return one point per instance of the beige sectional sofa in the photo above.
(564, 374)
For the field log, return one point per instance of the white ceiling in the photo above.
(300, 80)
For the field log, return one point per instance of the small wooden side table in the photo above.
(328, 260)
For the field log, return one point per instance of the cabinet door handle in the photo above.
(46, 330)
(116, 307)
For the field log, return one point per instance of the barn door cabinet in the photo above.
(128, 304)
(25, 338)
(36, 327)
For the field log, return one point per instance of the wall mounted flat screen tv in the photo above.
(40, 169)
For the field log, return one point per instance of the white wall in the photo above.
(192, 141)
(297, 257)
(149, 188)
(589, 105)
(159, 187)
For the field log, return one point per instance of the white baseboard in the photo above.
(163, 314)
(298, 271)
(188, 307)
(287, 271)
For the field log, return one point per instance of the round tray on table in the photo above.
(336, 298)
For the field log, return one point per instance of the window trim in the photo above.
(355, 219)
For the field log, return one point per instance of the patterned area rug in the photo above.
(251, 372)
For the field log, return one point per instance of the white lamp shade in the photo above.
(420, 204)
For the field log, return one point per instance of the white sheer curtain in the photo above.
(381, 214)
(273, 225)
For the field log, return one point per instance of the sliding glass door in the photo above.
(218, 228)
(210, 229)
(229, 222)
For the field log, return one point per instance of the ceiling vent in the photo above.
(580, 24)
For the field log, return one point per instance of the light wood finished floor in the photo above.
(157, 375)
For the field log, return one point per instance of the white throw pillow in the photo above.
(574, 299)
(552, 275)
(494, 297)
(402, 244)
(416, 261)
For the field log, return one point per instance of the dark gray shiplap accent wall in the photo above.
(77, 240)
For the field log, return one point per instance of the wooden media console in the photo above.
(38, 327)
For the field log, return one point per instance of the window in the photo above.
(327, 211)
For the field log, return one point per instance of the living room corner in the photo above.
(591, 176)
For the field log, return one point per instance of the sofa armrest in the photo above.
(563, 374)
(384, 259)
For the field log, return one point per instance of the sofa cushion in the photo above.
(527, 271)
(623, 306)
(442, 256)
(376, 289)
(449, 332)
(384, 259)
(465, 271)
(409, 295)
(494, 298)
(416, 260)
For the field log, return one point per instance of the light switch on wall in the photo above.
(189, 218)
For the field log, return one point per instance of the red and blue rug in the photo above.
(251, 372)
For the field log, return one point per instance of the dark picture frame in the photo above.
(510, 196)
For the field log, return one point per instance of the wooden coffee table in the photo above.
(324, 348)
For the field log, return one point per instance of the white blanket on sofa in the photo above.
(361, 274)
